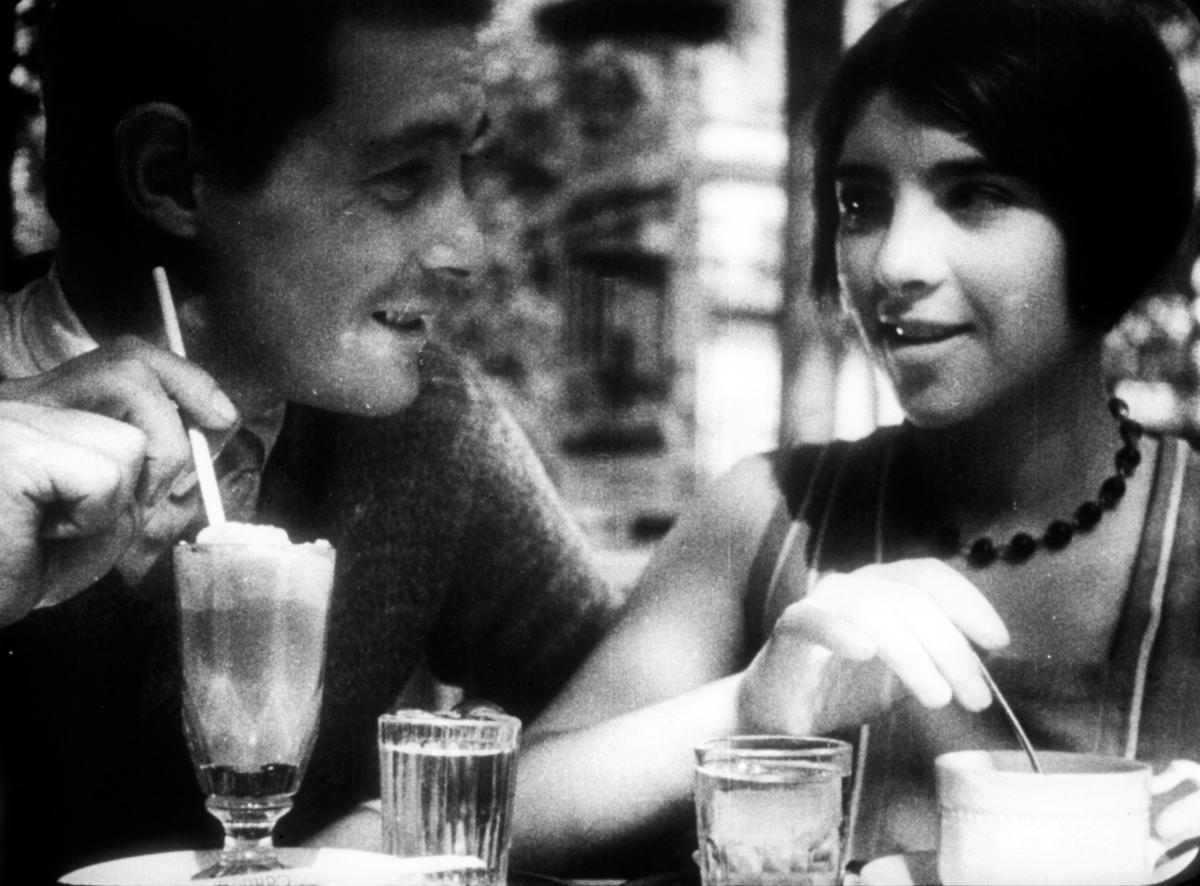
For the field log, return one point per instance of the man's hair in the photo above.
(245, 71)
(1079, 97)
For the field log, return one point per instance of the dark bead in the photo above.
(1087, 515)
(946, 539)
(982, 553)
(1118, 407)
(1058, 535)
(1112, 491)
(1020, 548)
(1131, 431)
(1128, 458)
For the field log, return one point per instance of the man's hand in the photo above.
(85, 451)
(141, 385)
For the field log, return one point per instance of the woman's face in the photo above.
(953, 270)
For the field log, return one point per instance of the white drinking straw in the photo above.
(210, 494)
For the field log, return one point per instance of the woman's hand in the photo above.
(849, 649)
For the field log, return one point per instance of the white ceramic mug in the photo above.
(1085, 820)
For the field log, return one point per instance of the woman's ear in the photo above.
(156, 157)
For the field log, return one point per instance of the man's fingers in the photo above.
(86, 485)
(140, 384)
(100, 381)
(65, 460)
(85, 491)
(196, 393)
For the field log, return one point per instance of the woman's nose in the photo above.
(910, 258)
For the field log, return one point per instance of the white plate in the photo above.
(910, 869)
(920, 869)
(306, 867)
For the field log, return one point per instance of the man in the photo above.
(297, 167)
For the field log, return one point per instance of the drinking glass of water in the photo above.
(447, 785)
(252, 628)
(769, 810)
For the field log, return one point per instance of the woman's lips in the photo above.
(909, 333)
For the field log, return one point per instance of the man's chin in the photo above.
(375, 401)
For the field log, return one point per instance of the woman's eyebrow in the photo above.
(859, 171)
(964, 167)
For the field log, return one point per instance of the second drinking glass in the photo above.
(448, 781)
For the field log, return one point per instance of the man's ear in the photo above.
(156, 157)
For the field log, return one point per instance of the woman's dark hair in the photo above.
(1079, 97)
(245, 71)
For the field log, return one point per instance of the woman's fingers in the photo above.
(814, 621)
(948, 652)
(915, 616)
(962, 602)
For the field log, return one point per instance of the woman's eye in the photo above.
(978, 199)
(860, 209)
(401, 186)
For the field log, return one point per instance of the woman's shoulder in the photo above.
(792, 470)
(745, 497)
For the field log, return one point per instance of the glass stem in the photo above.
(248, 835)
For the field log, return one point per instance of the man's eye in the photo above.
(860, 209)
(404, 184)
(473, 166)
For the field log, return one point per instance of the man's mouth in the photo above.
(919, 332)
(410, 322)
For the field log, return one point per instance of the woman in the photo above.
(996, 182)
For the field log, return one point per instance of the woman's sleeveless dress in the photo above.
(1144, 702)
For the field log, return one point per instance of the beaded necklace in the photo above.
(983, 552)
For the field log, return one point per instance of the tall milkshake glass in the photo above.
(252, 625)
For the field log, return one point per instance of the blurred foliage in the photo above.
(1159, 339)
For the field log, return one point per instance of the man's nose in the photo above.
(456, 251)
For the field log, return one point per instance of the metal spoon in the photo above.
(1012, 718)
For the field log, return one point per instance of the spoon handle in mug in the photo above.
(1012, 718)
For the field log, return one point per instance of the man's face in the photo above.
(321, 281)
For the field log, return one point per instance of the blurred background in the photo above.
(645, 312)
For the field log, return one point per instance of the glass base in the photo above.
(233, 865)
(248, 826)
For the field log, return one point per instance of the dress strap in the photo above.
(1177, 462)
(802, 467)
